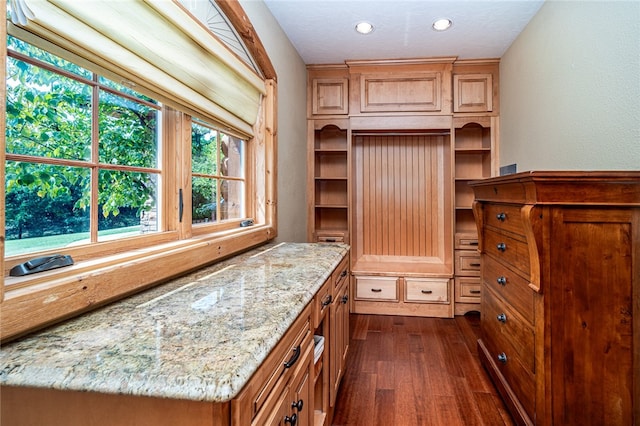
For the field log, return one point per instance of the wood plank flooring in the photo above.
(411, 371)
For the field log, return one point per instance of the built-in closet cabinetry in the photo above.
(392, 147)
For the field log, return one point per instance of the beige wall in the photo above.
(570, 89)
(292, 124)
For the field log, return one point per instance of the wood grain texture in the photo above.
(416, 371)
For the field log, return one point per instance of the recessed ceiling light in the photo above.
(364, 27)
(442, 24)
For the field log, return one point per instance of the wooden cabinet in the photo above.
(328, 183)
(560, 324)
(475, 142)
(390, 176)
(332, 325)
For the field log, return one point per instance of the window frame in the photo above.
(106, 271)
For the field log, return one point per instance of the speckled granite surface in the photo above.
(199, 337)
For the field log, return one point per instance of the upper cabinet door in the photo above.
(472, 93)
(401, 92)
(330, 96)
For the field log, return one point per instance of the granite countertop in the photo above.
(199, 337)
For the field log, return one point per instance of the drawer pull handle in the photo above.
(327, 301)
(501, 217)
(474, 291)
(294, 358)
(502, 357)
(475, 265)
(427, 291)
(345, 299)
(330, 240)
(502, 318)
(297, 404)
(473, 243)
(501, 247)
(376, 290)
(502, 280)
(293, 420)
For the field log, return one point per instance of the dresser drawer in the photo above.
(466, 241)
(321, 302)
(427, 290)
(510, 286)
(520, 380)
(377, 288)
(467, 289)
(510, 251)
(467, 263)
(340, 274)
(504, 216)
(507, 328)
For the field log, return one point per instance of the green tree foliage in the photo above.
(50, 115)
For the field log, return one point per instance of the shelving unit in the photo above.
(474, 147)
(329, 188)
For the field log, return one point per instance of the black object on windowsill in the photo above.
(41, 264)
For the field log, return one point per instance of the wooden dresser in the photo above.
(560, 309)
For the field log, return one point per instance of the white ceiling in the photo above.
(322, 31)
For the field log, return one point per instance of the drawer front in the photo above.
(510, 286)
(508, 329)
(377, 288)
(508, 250)
(321, 303)
(340, 274)
(284, 366)
(467, 290)
(464, 241)
(467, 263)
(433, 290)
(504, 216)
(520, 379)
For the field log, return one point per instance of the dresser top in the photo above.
(613, 188)
(199, 337)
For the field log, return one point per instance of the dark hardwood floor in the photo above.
(416, 371)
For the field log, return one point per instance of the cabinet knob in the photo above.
(502, 280)
(501, 217)
(502, 318)
(345, 299)
(297, 404)
(343, 274)
(293, 420)
(501, 247)
(502, 357)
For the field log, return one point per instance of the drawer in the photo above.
(467, 263)
(503, 216)
(464, 241)
(467, 289)
(507, 328)
(377, 288)
(330, 237)
(321, 303)
(521, 381)
(340, 274)
(279, 367)
(509, 286)
(432, 290)
(510, 251)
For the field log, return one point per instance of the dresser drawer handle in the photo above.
(501, 217)
(502, 318)
(474, 291)
(501, 247)
(426, 291)
(294, 358)
(475, 265)
(473, 243)
(327, 301)
(376, 290)
(502, 357)
(502, 280)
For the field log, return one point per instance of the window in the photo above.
(104, 145)
(82, 155)
(218, 184)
